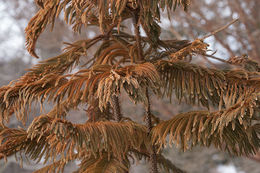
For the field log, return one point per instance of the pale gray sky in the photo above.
(12, 37)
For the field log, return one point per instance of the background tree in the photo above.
(205, 15)
(142, 66)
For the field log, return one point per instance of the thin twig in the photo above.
(216, 58)
(220, 29)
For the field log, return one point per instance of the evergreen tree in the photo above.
(141, 66)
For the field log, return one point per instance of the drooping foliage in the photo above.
(138, 65)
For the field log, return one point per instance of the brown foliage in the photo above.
(139, 65)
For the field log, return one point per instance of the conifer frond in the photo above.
(103, 81)
(104, 163)
(136, 64)
(12, 141)
(245, 62)
(111, 49)
(18, 98)
(76, 12)
(134, 79)
(205, 128)
(50, 138)
(38, 23)
(95, 137)
(73, 9)
(65, 61)
(104, 13)
(196, 47)
(20, 93)
(204, 85)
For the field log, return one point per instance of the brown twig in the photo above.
(216, 58)
(153, 155)
(219, 29)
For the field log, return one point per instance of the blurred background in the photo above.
(203, 17)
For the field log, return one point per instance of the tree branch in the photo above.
(220, 29)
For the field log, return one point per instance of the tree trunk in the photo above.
(116, 108)
(153, 156)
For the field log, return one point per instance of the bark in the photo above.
(153, 156)
(116, 108)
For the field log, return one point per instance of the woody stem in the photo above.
(153, 156)
(137, 35)
(116, 108)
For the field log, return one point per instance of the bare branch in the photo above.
(220, 29)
